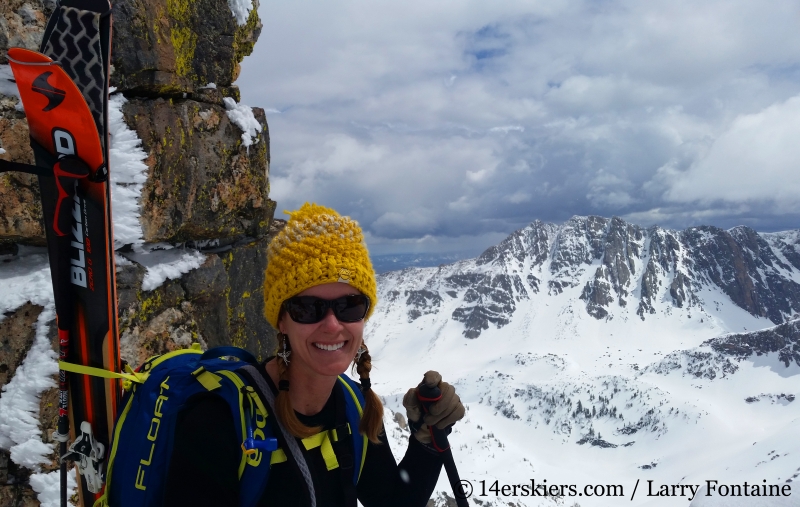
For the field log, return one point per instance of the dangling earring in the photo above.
(360, 352)
(286, 352)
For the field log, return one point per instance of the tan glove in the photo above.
(442, 413)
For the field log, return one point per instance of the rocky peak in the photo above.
(531, 242)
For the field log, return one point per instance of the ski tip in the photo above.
(24, 56)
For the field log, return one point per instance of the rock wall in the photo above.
(205, 190)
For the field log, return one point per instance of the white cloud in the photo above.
(461, 204)
(756, 159)
(479, 176)
(508, 128)
(583, 95)
(518, 197)
(413, 221)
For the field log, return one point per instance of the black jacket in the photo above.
(205, 460)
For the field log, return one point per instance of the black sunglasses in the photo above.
(311, 309)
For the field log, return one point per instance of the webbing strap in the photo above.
(209, 380)
(136, 377)
(323, 441)
(334, 433)
(251, 393)
(278, 456)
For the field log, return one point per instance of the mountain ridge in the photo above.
(615, 264)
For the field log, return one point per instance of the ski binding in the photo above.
(88, 455)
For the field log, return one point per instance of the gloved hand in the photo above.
(442, 414)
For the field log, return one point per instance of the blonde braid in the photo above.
(372, 419)
(283, 404)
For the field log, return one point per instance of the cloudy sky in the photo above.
(445, 125)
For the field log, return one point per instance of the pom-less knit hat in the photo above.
(316, 246)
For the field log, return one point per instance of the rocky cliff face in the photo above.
(202, 193)
(178, 46)
(616, 269)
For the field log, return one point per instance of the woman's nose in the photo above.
(330, 321)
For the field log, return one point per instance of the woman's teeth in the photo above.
(332, 346)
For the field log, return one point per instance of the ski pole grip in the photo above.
(427, 396)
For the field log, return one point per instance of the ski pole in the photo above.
(427, 396)
(62, 430)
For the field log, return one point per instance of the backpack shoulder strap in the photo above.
(354, 408)
(267, 395)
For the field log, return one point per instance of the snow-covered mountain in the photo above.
(600, 353)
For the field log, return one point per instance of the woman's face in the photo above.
(328, 347)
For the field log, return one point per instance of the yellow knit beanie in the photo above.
(317, 246)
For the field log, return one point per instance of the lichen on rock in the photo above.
(187, 44)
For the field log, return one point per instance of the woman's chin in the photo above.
(331, 362)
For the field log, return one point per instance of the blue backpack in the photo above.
(143, 434)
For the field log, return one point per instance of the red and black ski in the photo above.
(64, 91)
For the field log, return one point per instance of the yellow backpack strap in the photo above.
(278, 456)
(208, 380)
(234, 378)
(323, 441)
(256, 401)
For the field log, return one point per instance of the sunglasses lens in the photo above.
(306, 309)
(350, 308)
(310, 309)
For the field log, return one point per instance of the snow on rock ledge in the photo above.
(242, 116)
(166, 264)
(241, 10)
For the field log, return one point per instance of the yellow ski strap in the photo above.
(133, 376)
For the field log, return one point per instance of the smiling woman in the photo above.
(319, 290)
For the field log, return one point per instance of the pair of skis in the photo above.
(64, 90)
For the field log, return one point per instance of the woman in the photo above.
(319, 290)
